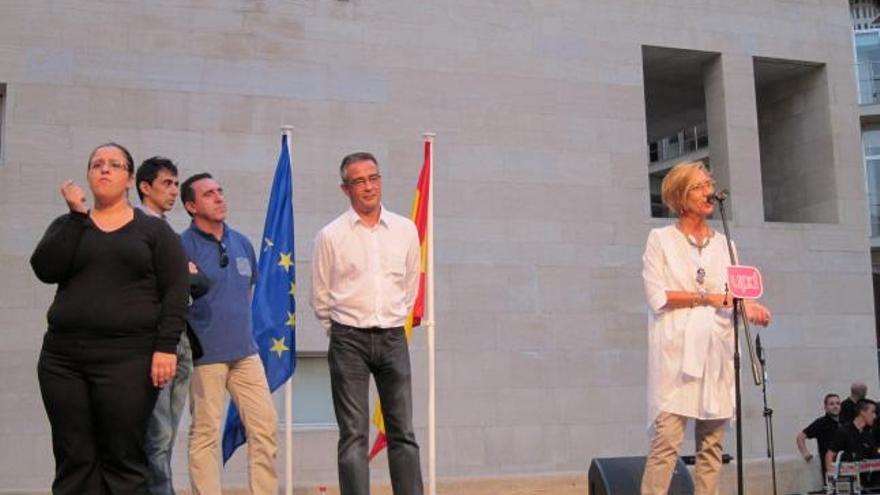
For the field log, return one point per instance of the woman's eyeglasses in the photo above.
(706, 184)
(112, 165)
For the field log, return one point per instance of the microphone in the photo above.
(717, 196)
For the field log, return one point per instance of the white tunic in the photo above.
(690, 350)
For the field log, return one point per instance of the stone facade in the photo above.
(541, 192)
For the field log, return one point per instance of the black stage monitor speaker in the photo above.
(623, 476)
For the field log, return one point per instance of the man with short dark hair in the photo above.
(365, 276)
(157, 186)
(222, 321)
(822, 429)
(855, 439)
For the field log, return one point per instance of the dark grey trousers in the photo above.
(353, 355)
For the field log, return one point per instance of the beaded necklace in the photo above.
(693, 241)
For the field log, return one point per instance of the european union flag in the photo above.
(274, 304)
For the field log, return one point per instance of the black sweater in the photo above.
(129, 284)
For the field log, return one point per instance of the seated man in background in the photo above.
(856, 441)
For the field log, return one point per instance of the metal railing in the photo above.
(682, 142)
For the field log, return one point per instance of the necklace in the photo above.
(693, 242)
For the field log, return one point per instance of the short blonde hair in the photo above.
(674, 188)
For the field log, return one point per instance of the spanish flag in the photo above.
(419, 216)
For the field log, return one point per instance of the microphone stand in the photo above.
(768, 413)
(738, 313)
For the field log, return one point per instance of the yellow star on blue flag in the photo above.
(285, 262)
(274, 307)
(278, 346)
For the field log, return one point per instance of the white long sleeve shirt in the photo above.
(690, 350)
(365, 276)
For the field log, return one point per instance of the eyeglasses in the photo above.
(224, 258)
(362, 181)
(112, 165)
(701, 276)
(706, 184)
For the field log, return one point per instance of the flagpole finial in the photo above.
(429, 136)
(287, 128)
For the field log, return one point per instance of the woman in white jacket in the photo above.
(690, 332)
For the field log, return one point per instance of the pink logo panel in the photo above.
(745, 282)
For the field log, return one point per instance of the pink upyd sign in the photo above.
(744, 282)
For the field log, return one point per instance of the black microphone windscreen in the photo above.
(718, 196)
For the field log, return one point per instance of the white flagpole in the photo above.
(429, 300)
(287, 130)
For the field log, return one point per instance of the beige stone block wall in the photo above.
(541, 193)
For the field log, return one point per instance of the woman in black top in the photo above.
(113, 328)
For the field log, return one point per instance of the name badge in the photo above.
(244, 266)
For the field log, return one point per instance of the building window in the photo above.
(867, 45)
(675, 113)
(871, 149)
(795, 140)
(312, 400)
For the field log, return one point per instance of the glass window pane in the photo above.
(872, 167)
(312, 400)
(871, 141)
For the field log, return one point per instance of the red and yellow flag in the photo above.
(419, 216)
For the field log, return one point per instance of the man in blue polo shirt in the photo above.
(222, 321)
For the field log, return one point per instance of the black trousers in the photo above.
(353, 355)
(98, 396)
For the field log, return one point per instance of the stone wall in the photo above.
(541, 192)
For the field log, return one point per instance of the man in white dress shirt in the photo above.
(365, 273)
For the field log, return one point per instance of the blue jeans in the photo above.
(162, 429)
(353, 355)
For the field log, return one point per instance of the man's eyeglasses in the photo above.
(224, 257)
(362, 181)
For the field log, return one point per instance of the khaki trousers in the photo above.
(668, 436)
(246, 382)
